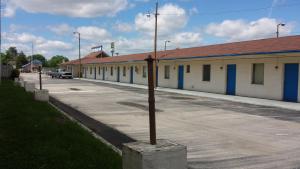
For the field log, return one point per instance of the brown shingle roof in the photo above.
(283, 44)
(87, 58)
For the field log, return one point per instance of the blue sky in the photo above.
(49, 24)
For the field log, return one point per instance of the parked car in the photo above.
(60, 73)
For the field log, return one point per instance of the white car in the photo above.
(61, 74)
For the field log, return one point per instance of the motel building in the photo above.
(266, 68)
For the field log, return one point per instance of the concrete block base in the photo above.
(29, 87)
(41, 95)
(164, 155)
(16, 81)
(22, 83)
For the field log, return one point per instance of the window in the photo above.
(124, 71)
(111, 71)
(206, 73)
(99, 70)
(91, 70)
(144, 71)
(188, 68)
(258, 73)
(167, 72)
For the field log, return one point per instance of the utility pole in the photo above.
(155, 45)
(79, 53)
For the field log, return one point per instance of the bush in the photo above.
(15, 74)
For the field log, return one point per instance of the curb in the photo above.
(110, 136)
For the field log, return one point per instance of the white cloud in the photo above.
(54, 45)
(141, 0)
(123, 45)
(22, 38)
(44, 46)
(172, 18)
(9, 10)
(61, 29)
(17, 27)
(93, 33)
(72, 8)
(186, 39)
(141, 44)
(193, 11)
(123, 27)
(133, 45)
(237, 30)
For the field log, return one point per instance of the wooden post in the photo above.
(151, 100)
(40, 76)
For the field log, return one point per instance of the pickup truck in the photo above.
(60, 73)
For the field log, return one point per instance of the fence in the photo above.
(6, 71)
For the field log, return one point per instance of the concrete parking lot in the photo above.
(217, 133)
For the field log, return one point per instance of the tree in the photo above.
(56, 60)
(3, 58)
(21, 60)
(40, 58)
(12, 53)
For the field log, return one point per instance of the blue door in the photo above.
(291, 72)
(231, 79)
(118, 74)
(131, 74)
(95, 72)
(103, 73)
(85, 70)
(180, 76)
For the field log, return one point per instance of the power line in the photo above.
(239, 10)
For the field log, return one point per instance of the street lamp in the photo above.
(166, 41)
(278, 25)
(79, 53)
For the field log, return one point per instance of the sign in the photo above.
(112, 45)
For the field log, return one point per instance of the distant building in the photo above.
(265, 68)
(32, 67)
(73, 66)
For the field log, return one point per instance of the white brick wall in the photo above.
(271, 89)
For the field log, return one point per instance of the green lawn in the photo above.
(34, 135)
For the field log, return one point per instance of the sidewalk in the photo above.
(241, 99)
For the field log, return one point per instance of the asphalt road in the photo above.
(218, 134)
